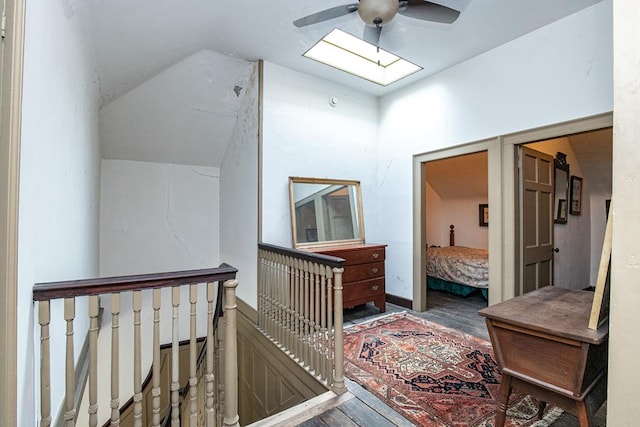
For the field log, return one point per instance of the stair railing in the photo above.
(69, 291)
(300, 309)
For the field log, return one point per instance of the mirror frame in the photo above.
(560, 163)
(325, 181)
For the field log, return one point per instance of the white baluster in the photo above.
(155, 390)
(175, 362)
(193, 354)
(94, 309)
(44, 317)
(231, 356)
(115, 358)
(69, 315)
(137, 360)
(338, 380)
(209, 405)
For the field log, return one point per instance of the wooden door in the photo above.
(536, 220)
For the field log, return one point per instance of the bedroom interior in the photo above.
(457, 224)
(289, 97)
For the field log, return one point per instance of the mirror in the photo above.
(561, 188)
(325, 212)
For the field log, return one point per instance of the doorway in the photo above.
(457, 226)
(467, 217)
(577, 216)
(504, 239)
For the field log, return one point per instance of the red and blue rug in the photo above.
(433, 375)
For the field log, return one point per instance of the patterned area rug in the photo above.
(433, 375)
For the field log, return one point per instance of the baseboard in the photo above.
(402, 302)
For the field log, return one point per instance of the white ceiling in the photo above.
(135, 40)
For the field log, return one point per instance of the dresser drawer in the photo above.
(360, 256)
(363, 290)
(354, 273)
(364, 273)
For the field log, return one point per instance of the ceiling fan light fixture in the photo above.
(377, 12)
(360, 58)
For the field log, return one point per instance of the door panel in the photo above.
(536, 219)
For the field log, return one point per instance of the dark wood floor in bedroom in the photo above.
(446, 309)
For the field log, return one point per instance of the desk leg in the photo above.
(505, 391)
(583, 414)
(541, 407)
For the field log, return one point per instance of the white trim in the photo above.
(10, 125)
(510, 269)
(419, 215)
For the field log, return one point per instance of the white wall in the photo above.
(153, 218)
(558, 73)
(435, 221)
(304, 136)
(59, 184)
(158, 217)
(183, 115)
(624, 346)
(464, 215)
(239, 194)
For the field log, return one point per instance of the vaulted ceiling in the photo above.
(135, 40)
(168, 68)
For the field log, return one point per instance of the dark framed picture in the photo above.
(562, 208)
(484, 215)
(575, 207)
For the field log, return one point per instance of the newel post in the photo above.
(338, 375)
(231, 355)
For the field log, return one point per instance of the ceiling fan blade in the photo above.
(372, 34)
(326, 14)
(427, 11)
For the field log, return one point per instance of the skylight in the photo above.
(360, 58)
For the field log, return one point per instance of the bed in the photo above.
(457, 269)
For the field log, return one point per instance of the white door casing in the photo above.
(11, 58)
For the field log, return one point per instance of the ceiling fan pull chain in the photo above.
(378, 22)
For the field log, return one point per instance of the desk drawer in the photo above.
(354, 273)
(362, 290)
(360, 256)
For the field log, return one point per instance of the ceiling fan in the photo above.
(377, 13)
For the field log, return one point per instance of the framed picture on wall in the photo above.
(575, 207)
(562, 208)
(484, 215)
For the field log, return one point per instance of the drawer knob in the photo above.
(374, 288)
(376, 255)
(374, 270)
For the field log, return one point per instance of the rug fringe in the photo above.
(373, 319)
(549, 418)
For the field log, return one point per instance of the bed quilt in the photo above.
(459, 264)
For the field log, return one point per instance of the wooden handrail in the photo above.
(85, 287)
(43, 293)
(331, 261)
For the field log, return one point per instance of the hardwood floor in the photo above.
(446, 309)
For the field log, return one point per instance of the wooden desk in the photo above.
(544, 348)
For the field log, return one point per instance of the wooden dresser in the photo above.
(363, 277)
